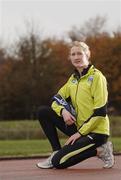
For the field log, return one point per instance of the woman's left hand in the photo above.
(73, 138)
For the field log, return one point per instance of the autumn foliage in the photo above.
(31, 75)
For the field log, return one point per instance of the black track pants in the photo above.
(83, 148)
(49, 121)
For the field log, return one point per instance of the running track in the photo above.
(90, 169)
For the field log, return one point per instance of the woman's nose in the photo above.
(76, 56)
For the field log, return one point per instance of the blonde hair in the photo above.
(84, 47)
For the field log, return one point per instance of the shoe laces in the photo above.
(106, 156)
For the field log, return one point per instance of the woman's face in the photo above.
(78, 57)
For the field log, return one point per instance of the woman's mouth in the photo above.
(77, 61)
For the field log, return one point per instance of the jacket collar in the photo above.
(84, 72)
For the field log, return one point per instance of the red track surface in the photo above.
(90, 169)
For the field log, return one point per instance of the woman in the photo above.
(88, 128)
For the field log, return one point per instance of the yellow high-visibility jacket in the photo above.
(88, 95)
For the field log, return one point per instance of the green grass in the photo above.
(25, 147)
(22, 129)
(36, 147)
(117, 144)
(26, 138)
(30, 129)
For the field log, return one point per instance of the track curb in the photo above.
(34, 157)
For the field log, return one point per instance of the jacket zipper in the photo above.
(76, 99)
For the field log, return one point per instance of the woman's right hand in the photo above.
(68, 118)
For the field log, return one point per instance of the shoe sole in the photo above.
(43, 167)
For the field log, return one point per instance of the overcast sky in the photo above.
(54, 17)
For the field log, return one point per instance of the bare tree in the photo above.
(93, 27)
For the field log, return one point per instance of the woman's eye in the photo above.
(78, 53)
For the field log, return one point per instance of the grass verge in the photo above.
(29, 148)
(11, 148)
(31, 129)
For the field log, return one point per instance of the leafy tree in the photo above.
(36, 68)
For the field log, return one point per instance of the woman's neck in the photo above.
(80, 70)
